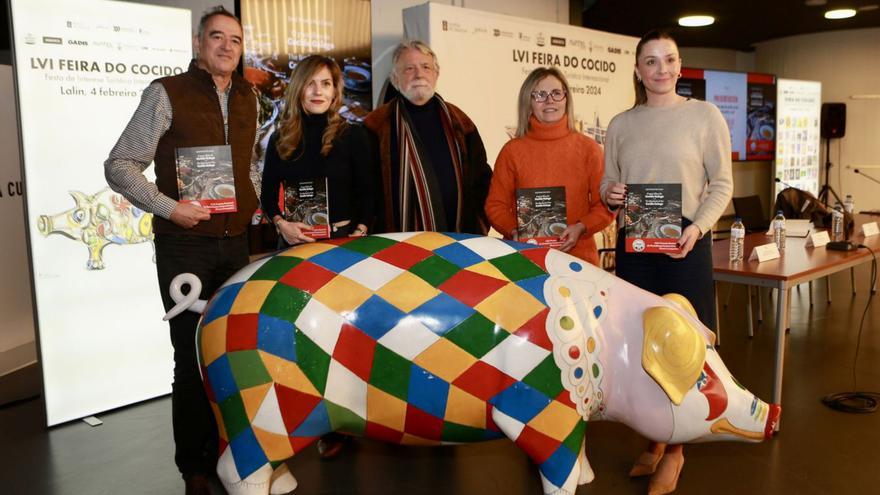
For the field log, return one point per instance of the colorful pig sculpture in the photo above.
(428, 338)
(98, 220)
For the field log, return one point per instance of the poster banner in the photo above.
(797, 138)
(17, 347)
(280, 33)
(81, 67)
(727, 91)
(485, 57)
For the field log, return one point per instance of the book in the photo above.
(306, 201)
(205, 177)
(540, 215)
(652, 218)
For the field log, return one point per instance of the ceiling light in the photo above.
(840, 14)
(869, 7)
(696, 20)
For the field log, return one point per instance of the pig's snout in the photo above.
(44, 224)
(772, 421)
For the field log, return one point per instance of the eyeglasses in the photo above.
(541, 96)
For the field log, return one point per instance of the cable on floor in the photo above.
(858, 402)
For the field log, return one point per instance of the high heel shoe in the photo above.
(665, 479)
(646, 464)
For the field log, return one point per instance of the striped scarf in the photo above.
(421, 203)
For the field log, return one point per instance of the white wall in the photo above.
(718, 59)
(846, 62)
(198, 7)
(387, 24)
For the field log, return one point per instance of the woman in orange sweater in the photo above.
(547, 152)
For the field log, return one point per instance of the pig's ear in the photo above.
(673, 352)
(80, 198)
(686, 306)
(682, 302)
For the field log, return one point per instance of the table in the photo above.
(797, 265)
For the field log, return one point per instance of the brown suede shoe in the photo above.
(197, 484)
(665, 479)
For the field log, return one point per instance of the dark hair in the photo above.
(218, 10)
(654, 34)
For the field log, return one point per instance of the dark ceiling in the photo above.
(738, 24)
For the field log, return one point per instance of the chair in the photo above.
(751, 211)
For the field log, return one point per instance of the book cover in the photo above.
(306, 201)
(540, 215)
(653, 218)
(205, 178)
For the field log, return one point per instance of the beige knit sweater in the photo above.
(687, 142)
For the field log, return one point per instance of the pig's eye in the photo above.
(78, 215)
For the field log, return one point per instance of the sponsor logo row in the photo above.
(31, 39)
(540, 39)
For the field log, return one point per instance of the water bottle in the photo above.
(737, 235)
(779, 231)
(837, 223)
(849, 205)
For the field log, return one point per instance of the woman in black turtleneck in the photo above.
(312, 142)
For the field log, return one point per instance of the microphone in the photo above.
(786, 184)
(865, 175)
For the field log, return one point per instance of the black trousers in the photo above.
(658, 273)
(213, 260)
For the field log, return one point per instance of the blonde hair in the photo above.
(638, 85)
(524, 106)
(405, 45)
(290, 127)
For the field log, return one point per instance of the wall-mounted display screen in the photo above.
(748, 103)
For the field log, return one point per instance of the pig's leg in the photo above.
(256, 483)
(96, 261)
(282, 481)
(587, 475)
(559, 472)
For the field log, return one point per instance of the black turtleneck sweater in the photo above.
(347, 168)
(429, 129)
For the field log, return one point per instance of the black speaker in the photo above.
(833, 120)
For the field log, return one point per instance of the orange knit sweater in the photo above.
(551, 155)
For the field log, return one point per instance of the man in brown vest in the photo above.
(208, 105)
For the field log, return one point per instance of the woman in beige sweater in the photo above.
(666, 138)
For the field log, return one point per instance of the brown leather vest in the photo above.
(197, 121)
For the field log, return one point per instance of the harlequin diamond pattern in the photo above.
(411, 338)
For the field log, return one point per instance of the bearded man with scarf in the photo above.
(429, 154)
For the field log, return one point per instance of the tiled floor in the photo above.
(818, 451)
